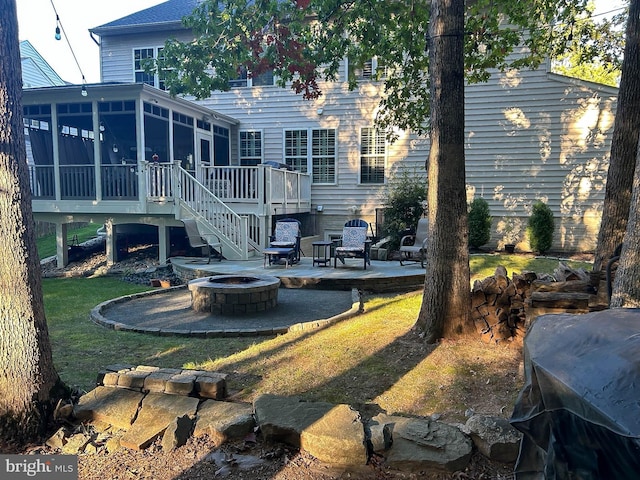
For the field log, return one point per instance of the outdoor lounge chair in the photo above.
(413, 247)
(284, 244)
(197, 240)
(353, 243)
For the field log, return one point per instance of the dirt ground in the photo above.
(250, 459)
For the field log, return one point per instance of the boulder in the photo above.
(494, 437)
(158, 411)
(332, 433)
(424, 444)
(115, 406)
(223, 421)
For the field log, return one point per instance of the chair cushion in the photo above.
(286, 232)
(354, 238)
(282, 244)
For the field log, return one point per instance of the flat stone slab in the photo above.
(423, 444)
(223, 421)
(332, 433)
(114, 406)
(157, 412)
(495, 437)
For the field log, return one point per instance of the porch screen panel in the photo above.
(118, 148)
(156, 133)
(296, 149)
(75, 151)
(323, 155)
(183, 143)
(39, 146)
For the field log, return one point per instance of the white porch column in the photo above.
(164, 244)
(110, 242)
(62, 248)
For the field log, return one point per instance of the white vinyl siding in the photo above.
(528, 135)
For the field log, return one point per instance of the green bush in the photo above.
(479, 223)
(404, 202)
(540, 227)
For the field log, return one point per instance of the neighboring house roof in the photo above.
(166, 15)
(36, 72)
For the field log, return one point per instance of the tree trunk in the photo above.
(626, 288)
(624, 146)
(26, 367)
(446, 303)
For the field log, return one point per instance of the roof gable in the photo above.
(169, 12)
(36, 72)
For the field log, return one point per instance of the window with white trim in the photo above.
(296, 150)
(373, 152)
(250, 147)
(317, 156)
(371, 69)
(140, 55)
(245, 79)
(323, 155)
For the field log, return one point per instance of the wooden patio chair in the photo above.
(413, 248)
(197, 240)
(353, 243)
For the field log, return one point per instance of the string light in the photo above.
(58, 36)
(59, 32)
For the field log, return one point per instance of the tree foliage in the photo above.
(479, 222)
(540, 227)
(304, 42)
(403, 202)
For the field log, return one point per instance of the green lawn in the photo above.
(47, 244)
(319, 364)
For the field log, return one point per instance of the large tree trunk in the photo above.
(626, 288)
(446, 304)
(624, 146)
(26, 367)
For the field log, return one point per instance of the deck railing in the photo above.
(77, 182)
(119, 182)
(214, 213)
(43, 184)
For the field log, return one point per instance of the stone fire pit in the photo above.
(234, 294)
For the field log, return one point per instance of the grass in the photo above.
(47, 244)
(374, 358)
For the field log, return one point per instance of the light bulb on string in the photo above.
(84, 87)
(58, 35)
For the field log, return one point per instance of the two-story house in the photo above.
(530, 135)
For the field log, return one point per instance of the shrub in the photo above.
(479, 222)
(404, 202)
(540, 227)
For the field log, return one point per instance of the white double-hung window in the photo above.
(312, 151)
(373, 154)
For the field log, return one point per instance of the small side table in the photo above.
(321, 253)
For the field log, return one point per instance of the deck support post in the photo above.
(163, 244)
(62, 247)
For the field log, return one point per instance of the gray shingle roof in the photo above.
(170, 12)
